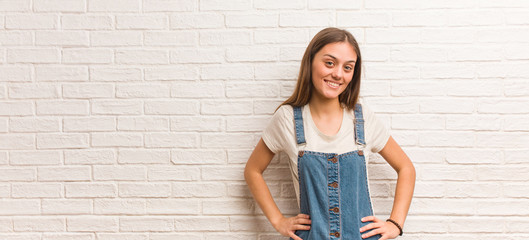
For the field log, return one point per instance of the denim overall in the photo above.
(333, 188)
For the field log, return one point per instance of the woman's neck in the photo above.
(325, 107)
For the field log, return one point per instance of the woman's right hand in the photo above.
(287, 226)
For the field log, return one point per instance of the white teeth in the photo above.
(332, 84)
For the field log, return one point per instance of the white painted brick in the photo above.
(145, 190)
(93, 224)
(6, 225)
(441, 172)
(226, 107)
(246, 124)
(32, 21)
(32, 124)
(138, 22)
(252, 20)
(420, 18)
(265, 106)
(58, 107)
(17, 141)
(92, 124)
(472, 190)
(173, 206)
(86, 22)
(39, 224)
(291, 53)
(5, 192)
(223, 173)
(115, 74)
(250, 223)
(475, 54)
(418, 54)
(116, 140)
(35, 158)
(427, 189)
(81, 173)
(142, 57)
(146, 224)
(119, 236)
(197, 56)
(447, 35)
(114, 6)
(59, 5)
(447, 139)
(198, 189)
(62, 140)
(87, 55)
(278, 4)
(15, 6)
(281, 36)
(243, 89)
(170, 5)
(179, 173)
(466, 122)
(171, 140)
(502, 208)
(395, 105)
(142, 91)
(34, 55)
(18, 174)
(417, 88)
(361, 19)
(21, 236)
(503, 140)
(422, 121)
(226, 72)
(470, 156)
(199, 124)
(214, 5)
(516, 155)
(502, 106)
(197, 90)
(198, 157)
(114, 38)
(169, 236)
(19, 207)
(251, 54)
(479, 88)
(15, 74)
(516, 51)
(174, 72)
(87, 90)
(188, 223)
(29, 91)
(450, 207)
(395, 35)
(447, 106)
(172, 107)
(88, 157)
(118, 173)
(228, 207)
(475, 18)
(90, 190)
(66, 207)
(515, 190)
(61, 38)
(119, 206)
(448, 4)
(143, 124)
(196, 20)
(231, 140)
(67, 236)
(304, 19)
(385, 4)
(9, 38)
(173, 38)
(126, 156)
(117, 107)
(239, 156)
(61, 73)
(393, 71)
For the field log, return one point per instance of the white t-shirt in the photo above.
(280, 136)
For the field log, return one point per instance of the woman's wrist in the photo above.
(396, 224)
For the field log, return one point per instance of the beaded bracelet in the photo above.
(396, 224)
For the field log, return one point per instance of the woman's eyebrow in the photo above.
(333, 57)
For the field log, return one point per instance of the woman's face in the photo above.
(332, 69)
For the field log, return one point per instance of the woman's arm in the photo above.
(398, 160)
(253, 173)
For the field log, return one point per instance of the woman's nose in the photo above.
(337, 73)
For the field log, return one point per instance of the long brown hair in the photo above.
(304, 86)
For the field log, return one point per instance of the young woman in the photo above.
(327, 135)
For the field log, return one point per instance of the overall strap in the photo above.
(359, 125)
(298, 122)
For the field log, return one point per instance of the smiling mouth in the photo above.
(332, 84)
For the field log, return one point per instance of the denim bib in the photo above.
(333, 187)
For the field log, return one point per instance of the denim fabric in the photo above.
(334, 189)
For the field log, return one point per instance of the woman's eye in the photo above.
(329, 63)
(348, 68)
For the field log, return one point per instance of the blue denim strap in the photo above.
(298, 122)
(359, 125)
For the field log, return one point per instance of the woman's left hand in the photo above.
(386, 229)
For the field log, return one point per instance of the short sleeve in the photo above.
(280, 130)
(377, 135)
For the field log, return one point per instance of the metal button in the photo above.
(336, 234)
(336, 209)
(300, 153)
(334, 160)
(360, 152)
(334, 184)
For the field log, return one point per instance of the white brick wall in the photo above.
(133, 119)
